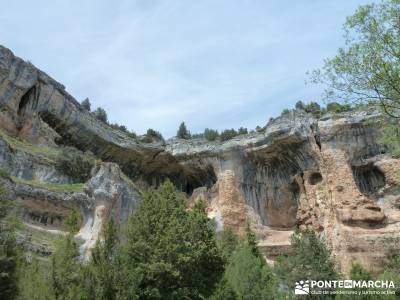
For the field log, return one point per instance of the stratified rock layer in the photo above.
(328, 175)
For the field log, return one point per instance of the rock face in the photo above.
(327, 174)
(110, 194)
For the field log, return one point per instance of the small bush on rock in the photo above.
(75, 164)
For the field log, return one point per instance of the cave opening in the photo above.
(200, 178)
(25, 99)
(315, 178)
(187, 180)
(368, 178)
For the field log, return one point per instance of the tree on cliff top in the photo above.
(86, 104)
(101, 115)
(183, 132)
(367, 68)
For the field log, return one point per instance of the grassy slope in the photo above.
(54, 187)
(47, 153)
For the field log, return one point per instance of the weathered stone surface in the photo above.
(24, 165)
(329, 174)
(110, 195)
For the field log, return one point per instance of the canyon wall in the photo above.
(328, 174)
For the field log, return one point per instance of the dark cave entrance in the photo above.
(368, 178)
(315, 178)
(25, 99)
(201, 178)
(187, 180)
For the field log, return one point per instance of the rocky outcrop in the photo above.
(328, 174)
(107, 194)
(111, 195)
(27, 166)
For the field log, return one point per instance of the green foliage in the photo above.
(101, 115)
(336, 107)
(46, 153)
(66, 270)
(251, 240)
(224, 291)
(54, 187)
(228, 134)
(8, 258)
(309, 258)
(73, 221)
(249, 276)
(151, 136)
(172, 252)
(357, 272)
(183, 132)
(86, 104)
(285, 112)
(242, 130)
(103, 273)
(313, 108)
(300, 105)
(227, 242)
(390, 136)
(75, 164)
(4, 174)
(119, 127)
(210, 134)
(391, 273)
(197, 136)
(33, 281)
(367, 67)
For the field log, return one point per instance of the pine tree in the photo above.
(101, 115)
(183, 132)
(66, 270)
(8, 252)
(309, 258)
(171, 252)
(33, 281)
(249, 276)
(86, 104)
(104, 266)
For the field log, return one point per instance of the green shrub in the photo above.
(210, 134)
(101, 115)
(73, 221)
(4, 173)
(228, 134)
(390, 136)
(197, 135)
(313, 108)
(284, 112)
(300, 105)
(86, 104)
(309, 257)
(243, 130)
(337, 107)
(154, 134)
(75, 164)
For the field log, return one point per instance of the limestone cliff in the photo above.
(328, 174)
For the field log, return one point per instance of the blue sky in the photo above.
(155, 63)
